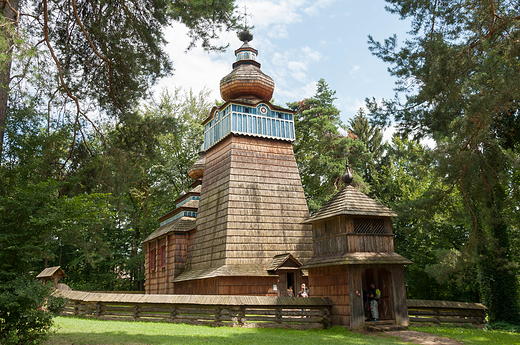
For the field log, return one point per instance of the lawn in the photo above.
(69, 330)
(81, 331)
(471, 335)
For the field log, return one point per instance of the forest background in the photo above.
(89, 159)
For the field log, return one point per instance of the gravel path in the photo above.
(416, 337)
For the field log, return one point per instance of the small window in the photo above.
(152, 259)
(163, 256)
(369, 226)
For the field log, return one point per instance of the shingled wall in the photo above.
(252, 206)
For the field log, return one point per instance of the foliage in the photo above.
(320, 148)
(83, 331)
(372, 136)
(26, 310)
(431, 229)
(503, 326)
(88, 212)
(457, 78)
(87, 58)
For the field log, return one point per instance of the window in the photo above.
(369, 226)
(163, 256)
(152, 260)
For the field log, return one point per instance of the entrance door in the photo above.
(382, 280)
(385, 302)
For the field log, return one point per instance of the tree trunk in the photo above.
(7, 7)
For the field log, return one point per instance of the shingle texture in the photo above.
(356, 258)
(250, 270)
(279, 260)
(182, 224)
(50, 271)
(193, 299)
(350, 201)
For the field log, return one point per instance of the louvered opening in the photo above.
(369, 226)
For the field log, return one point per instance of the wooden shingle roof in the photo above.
(217, 300)
(350, 201)
(51, 272)
(224, 271)
(357, 258)
(182, 224)
(279, 260)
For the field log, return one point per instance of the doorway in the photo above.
(382, 279)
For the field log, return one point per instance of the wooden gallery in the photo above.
(244, 227)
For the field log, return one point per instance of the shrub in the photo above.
(26, 310)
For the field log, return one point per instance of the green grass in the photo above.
(81, 331)
(69, 330)
(472, 335)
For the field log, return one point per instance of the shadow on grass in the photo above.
(207, 335)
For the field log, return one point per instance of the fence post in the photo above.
(173, 313)
(76, 308)
(137, 312)
(218, 314)
(99, 311)
(279, 315)
(242, 316)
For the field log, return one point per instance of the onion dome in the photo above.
(347, 176)
(196, 171)
(246, 80)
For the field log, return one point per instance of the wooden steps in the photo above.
(383, 326)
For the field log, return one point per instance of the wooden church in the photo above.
(244, 227)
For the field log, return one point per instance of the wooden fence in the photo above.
(446, 312)
(243, 311)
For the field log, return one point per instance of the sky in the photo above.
(299, 42)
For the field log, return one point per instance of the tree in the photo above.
(320, 150)
(431, 234)
(97, 56)
(459, 74)
(372, 136)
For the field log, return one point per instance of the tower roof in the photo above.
(246, 80)
(350, 201)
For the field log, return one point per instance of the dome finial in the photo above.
(347, 176)
(245, 35)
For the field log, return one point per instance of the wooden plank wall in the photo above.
(333, 282)
(159, 280)
(239, 286)
(377, 243)
(252, 205)
(336, 235)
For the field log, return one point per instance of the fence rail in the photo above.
(438, 312)
(246, 311)
(243, 311)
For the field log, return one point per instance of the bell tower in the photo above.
(252, 204)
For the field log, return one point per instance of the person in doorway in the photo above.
(304, 291)
(290, 292)
(373, 300)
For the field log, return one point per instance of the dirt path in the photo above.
(416, 337)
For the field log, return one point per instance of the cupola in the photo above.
(246, 80)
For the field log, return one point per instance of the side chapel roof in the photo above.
(350, 201)
(183, 224)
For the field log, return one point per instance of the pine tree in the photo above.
(459, 78)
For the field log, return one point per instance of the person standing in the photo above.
(290, 292)
(304, 291)
(373, 300)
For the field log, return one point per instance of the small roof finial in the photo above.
(347, 176)
(245, 35)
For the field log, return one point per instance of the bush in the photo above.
(503, 326)
(26, 310)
